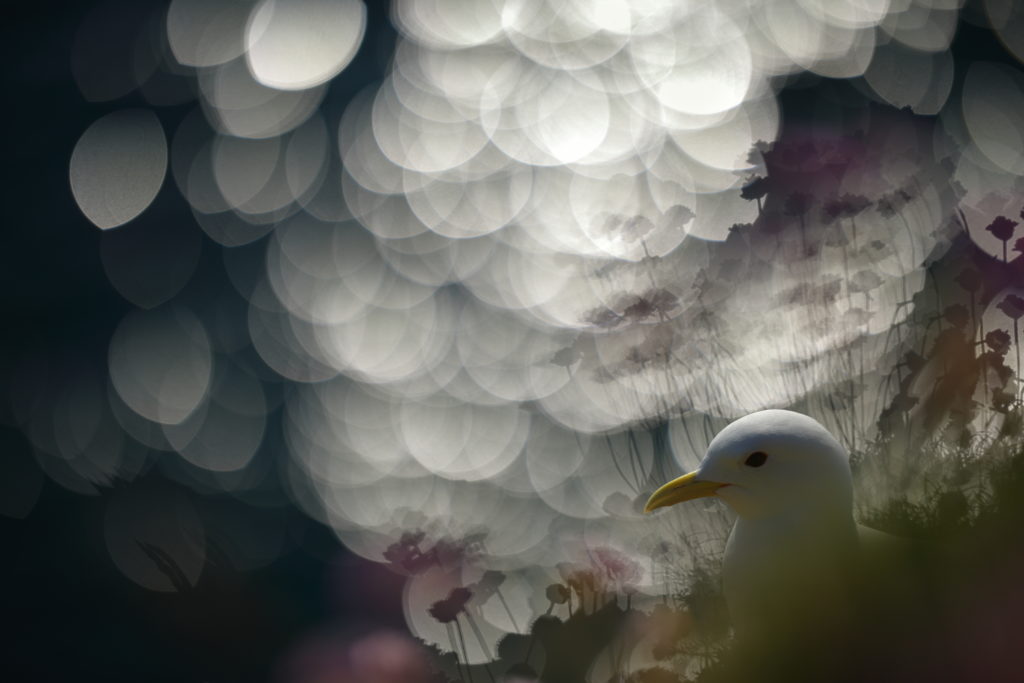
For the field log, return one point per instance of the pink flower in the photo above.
(619, 568)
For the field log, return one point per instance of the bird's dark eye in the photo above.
(756, 459)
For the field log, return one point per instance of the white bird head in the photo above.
(774, 462)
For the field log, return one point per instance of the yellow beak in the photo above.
(686, 487)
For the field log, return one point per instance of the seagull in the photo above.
(814, 596)
(792, 555)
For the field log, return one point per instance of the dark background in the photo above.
(69, 613)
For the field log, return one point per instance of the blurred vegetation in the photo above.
(959, 620)
(942, 470)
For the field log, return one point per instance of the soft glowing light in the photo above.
(297, 44)
(206, 32)
(118, 166)
(993, 107)
(161, 363)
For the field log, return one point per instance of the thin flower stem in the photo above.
(455, 651)
(465, 652)
(483, 643)
(509, 611)
(1016, 344)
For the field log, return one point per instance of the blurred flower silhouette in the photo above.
(1012, 306)
(447, 610)
(567, 357)
(619, 568)
(449, 553)
(621, 571)
(756, 188)
(998, 341)
(854, 204)
(677, 216)
(845, 206)
(1002, 229)
(557, 594)
(892, 203)
(653, 302)
(602, 317)
(487, 587)
(406, 556)
(581, 582)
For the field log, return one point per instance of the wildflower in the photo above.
(1012, 306)
(892, 203)
(406, 555)
(447, 610)
(640, 309)
(619, 568)
(488, 585)
(1002, 229)
(678, 215)
(998, 341)
(567, 356)
(557, 594)
(602, 317)
(756, 188)
(853, 204)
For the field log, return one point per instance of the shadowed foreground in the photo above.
(943, 602)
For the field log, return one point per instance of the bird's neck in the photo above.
(788, 567)
(794, 528)
(790, 545)
(803, 520)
